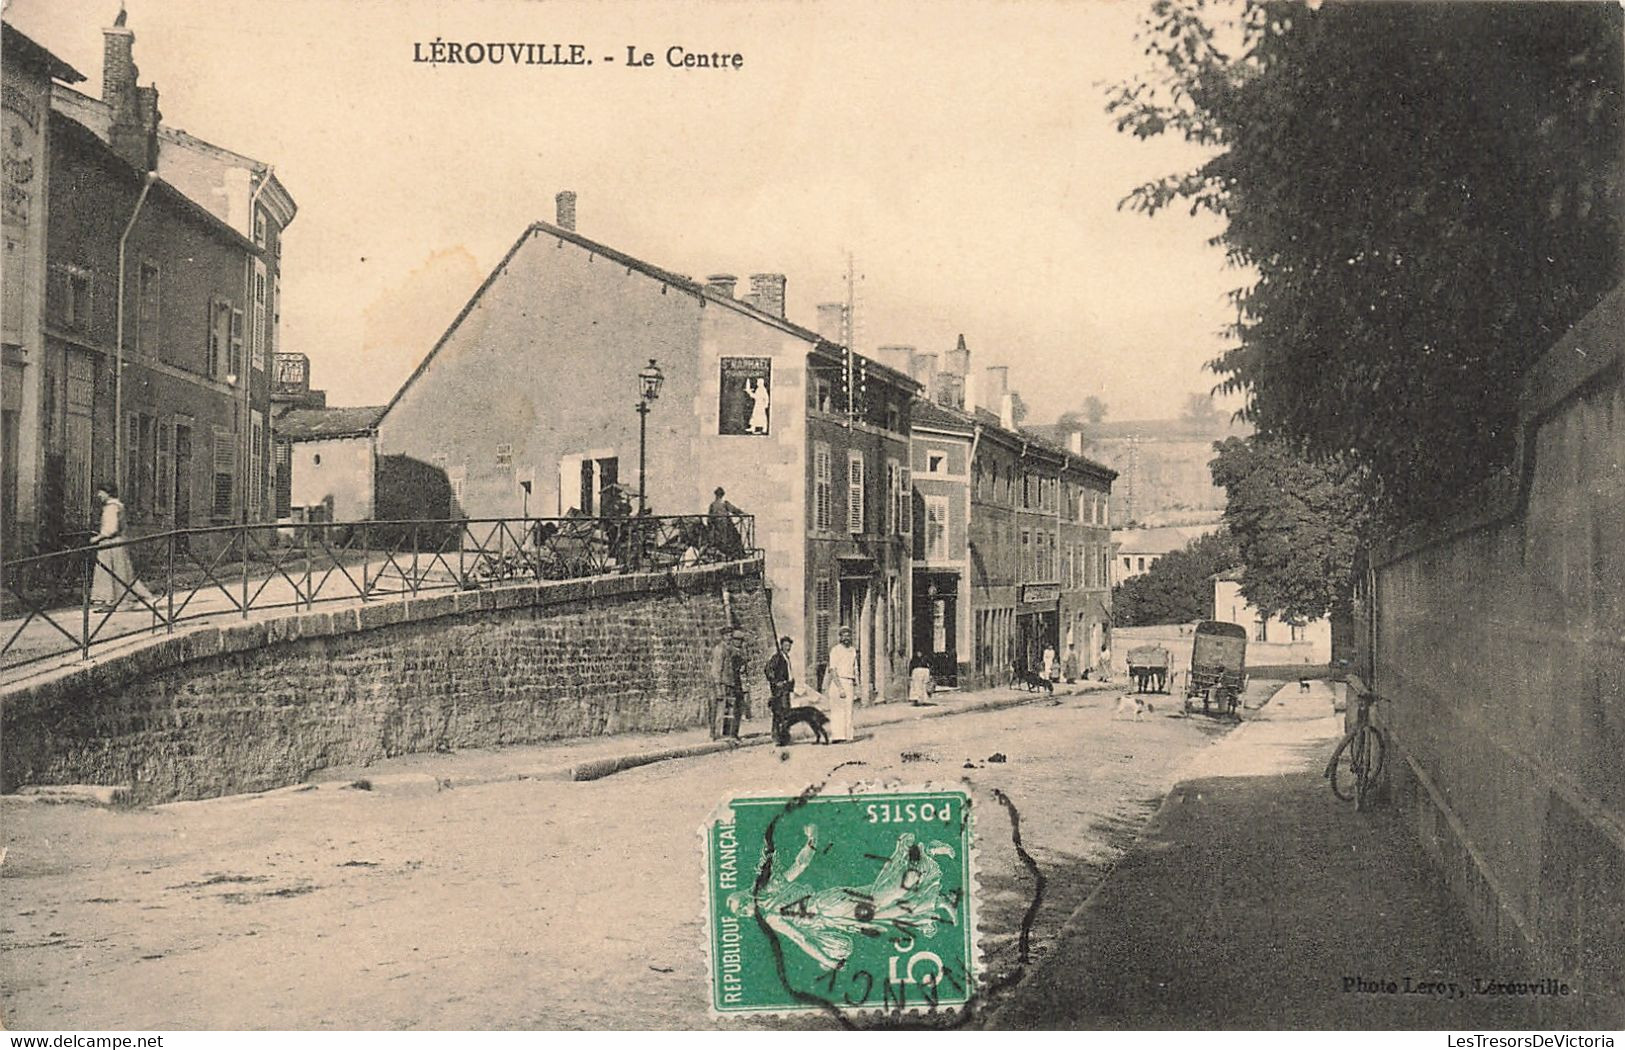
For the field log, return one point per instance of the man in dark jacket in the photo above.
(727, 689)
(782, 683)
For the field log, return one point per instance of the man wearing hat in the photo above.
(727, 689)
(724, 533)
(843, 686)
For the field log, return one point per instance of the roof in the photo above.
(20, 47)
(88, 139)
(933, 414)
(670, 279)
(930, 414)
(1161, 540)
(315, 424)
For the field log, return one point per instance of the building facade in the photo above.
(28, 73)
(1137, 550)
(797, 432)
(1270, 639)
(326, 463)
(157, 320)
(1033, 572)
(941, 448)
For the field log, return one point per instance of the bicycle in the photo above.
(1357, 762)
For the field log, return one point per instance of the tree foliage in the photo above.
(1085, 419)
(1296, 523)
(1424, 197)
(1178, 588)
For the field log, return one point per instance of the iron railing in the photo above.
(72, 601)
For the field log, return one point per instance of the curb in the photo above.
(598, 768)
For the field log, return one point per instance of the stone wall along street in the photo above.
(1498, 641)
(262, 704)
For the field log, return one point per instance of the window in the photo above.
(236, 343)
(936, 528)
(936, 461)
(258, 342)
(256, 463)
(219, 349)
(259, 227)
(1261, 629)
(455, 477)
(505, 455)
(1126, 566)
(854, 493)
(894, 418)
(225, 474)
(894, 497)
(147, 300)
(1026, 554)
(1297, 632)
(70, 295)
(1141, 565)
(820, 394)
(823, 482)
(1105, 509)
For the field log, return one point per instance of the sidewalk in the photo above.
(1254, 899)
(594, 757)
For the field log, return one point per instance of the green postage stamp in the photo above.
(851, 902)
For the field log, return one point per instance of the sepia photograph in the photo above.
(784, 516)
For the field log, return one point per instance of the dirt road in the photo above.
(526, 904)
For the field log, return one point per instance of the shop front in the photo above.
(1038, 624)
(936, 623)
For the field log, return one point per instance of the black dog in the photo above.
(1303, 685)
(1035, 681)
(810, 717)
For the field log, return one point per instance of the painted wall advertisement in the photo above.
(744, 405)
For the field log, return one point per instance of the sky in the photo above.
(960, 152)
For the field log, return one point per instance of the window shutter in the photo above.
(225, 469)
(237, 344)
(822, 482)
(166, 469)
(854, 493)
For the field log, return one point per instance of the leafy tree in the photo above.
(1178, 588)
(1423, 196)
(1296, 524)
(1083, 420)
(1200, 411)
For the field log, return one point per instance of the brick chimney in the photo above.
(958, 361)
(923, 368)
(565, 202)
(722, 284)
(995, 388)
(133, 128)
(767, 293)
(896, 357)
(832, 323)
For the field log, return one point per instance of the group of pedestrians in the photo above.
(728, 675)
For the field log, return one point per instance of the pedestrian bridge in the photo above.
(446, 645)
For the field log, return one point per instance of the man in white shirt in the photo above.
(843, 686)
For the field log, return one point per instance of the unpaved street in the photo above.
(541, 903)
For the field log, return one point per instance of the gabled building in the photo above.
(528, 402)
(159, 318)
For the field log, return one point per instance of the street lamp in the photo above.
(649, 380)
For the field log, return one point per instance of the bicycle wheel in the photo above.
(1345, 781)
(1372, 748)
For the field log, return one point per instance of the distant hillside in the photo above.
(1162, 466)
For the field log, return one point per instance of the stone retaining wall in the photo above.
(261, 704)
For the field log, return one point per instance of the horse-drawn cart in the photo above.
(1148, 665)
(1218, 668)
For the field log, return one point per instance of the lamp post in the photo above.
(649, 380)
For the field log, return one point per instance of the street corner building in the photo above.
(141, 301)
(1011, 541)
(528, 404)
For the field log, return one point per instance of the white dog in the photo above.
(1130, 705)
